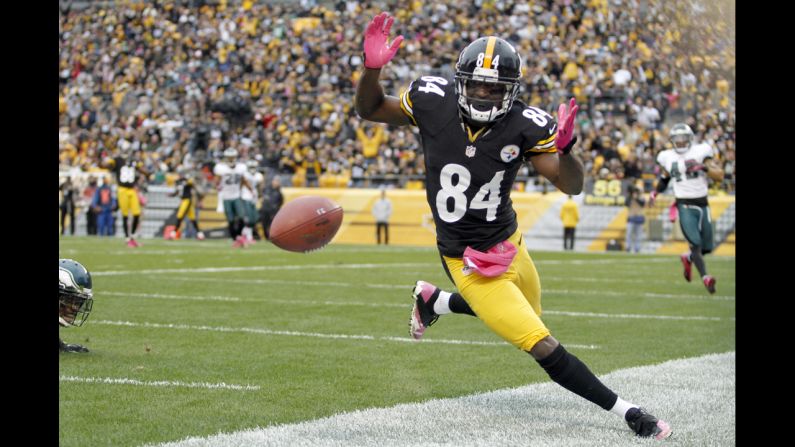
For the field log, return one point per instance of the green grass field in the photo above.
(195, 338)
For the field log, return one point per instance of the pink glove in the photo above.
(376, 51)
(566, 139)
(652, 197)
(694, 167)
(673, 212)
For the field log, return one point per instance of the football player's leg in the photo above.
(526, 278)
(431, 301)
(184, 206)
(124, 207)
(571, 373)
(707, 235)
(229, 212)
(500, 304)
(455, 303)
(192, 217)
(691, 221)
(240, 212)
(135, 208)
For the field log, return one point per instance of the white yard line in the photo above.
(175, 297)
(364, 337)
(259, 268)
(398, 305)
(160, 383)
(695, 396)
(408, 286)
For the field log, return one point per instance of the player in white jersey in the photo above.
(689, 165)
(231, 179)
(250, 198)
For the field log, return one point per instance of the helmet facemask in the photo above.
(75, 297)
(681, 136)
(74, 307)
(489, 107)
(681, 143)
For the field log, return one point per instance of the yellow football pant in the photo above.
(128, 201)
(186, 206)
(509, 304)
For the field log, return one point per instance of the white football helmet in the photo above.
(681, 136)
(75, 298)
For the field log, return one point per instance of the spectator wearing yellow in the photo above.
(371, 137)
(570, 215)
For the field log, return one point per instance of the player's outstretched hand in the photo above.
(376, 50)
(566, 139)
(652, 197)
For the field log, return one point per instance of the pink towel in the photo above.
(493, 262)
(673, 212)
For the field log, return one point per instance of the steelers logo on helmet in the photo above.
(681, 135)
(487, 79)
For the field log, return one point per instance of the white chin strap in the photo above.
(681, 150)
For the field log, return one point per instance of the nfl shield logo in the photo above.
(470, 152)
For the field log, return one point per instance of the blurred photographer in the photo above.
(635, 218)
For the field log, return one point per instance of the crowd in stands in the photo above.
(183, 80)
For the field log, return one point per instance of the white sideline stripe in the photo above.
(403, 286)
(696, 396)
(125, 381)
(259, 268)
(315, 334)
(396, 305)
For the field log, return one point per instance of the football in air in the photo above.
(306, 223)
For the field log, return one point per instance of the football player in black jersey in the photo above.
(127, 169)
(190, 194)
(475, 136)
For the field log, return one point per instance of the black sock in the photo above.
(698, 260)
(458, 305)
(124, 225)
(569, 372)
(135, 224)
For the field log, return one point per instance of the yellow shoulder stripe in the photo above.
(406, 106)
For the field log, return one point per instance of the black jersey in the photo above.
(185, 188)
(469, 176)
(126, 171)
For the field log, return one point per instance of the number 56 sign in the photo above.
(605, 192)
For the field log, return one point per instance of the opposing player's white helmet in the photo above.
(75, 297)
(230, 154)
(681, 135)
